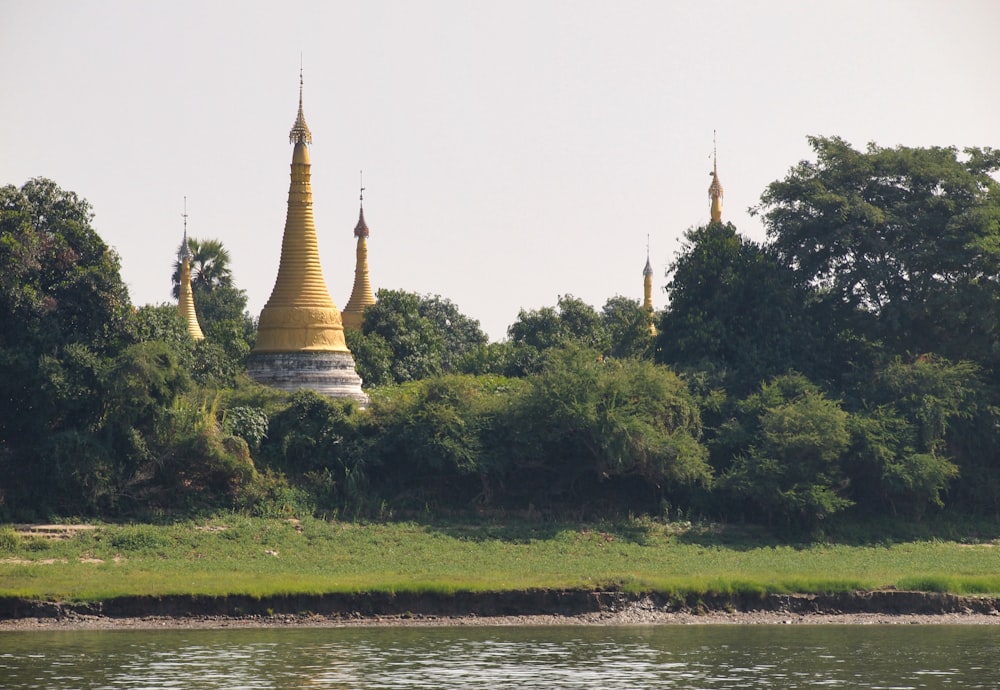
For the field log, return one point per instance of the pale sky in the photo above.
(513, 151)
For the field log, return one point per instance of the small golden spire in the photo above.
(185, 296)
(361, 294)
(715, 189)
(647, 289)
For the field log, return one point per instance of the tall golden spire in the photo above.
(300, 315)
(361, 293)
(647, 289)
(185, 297)
(300, 335)
(715, 189)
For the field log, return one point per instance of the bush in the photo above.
(583, 415)
(138, 538)
(793, 438)
(248, 423)
(10, 540)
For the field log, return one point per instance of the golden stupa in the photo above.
(300, 336)
(185, 297)
(647, 291)
(715, 189)
(361, 293)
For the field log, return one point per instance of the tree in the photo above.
(902, 450)
(59, 281)
(164, 323)
(789, 441)
(736, 311)
(426, 335)
(415, 341)
(909, 237)
(499, 358)
(460, 334)
(209, 267)
(445, 438)
(101, 431)
(627, 325)
(372, 357)
(315, 436)
(230, 331)
(64, 316)
(584, 417)
(572, 322)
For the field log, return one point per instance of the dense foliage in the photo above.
(846, 367)
(406, 337)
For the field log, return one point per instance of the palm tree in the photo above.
(209, 267)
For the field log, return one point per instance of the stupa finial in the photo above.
(300, 133)
(715, 189)
(185, 251)
(361, 229)
(648, 270)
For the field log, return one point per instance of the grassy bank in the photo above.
(235, 555)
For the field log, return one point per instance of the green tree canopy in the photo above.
(908, 236)
(64, 311)
(445, 436)
(904, 438)
(627, 326)
(734, 310)
(788, 441)
(571, 322)
(587, 416)
(59, 282)
(210, 267)
(417, 336)
(230, 331)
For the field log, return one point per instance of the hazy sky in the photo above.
(513, 151)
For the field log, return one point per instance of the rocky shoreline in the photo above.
(534, 607)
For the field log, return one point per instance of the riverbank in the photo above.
(618, 619)
(499, 609)
(235, 570)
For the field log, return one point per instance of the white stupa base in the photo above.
(328, 373)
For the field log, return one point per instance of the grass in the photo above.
(236, 555)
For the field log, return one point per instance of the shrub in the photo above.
(249, 423)
(138, 538)
(9, 539)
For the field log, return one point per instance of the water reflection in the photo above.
(882, 657)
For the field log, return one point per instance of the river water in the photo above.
(891, 657)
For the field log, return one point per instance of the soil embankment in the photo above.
(501, 608)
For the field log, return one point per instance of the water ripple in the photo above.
(705, 657)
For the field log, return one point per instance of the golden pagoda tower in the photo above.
(300, 336)
(185, 297)
(361, 294)
(647, 290)
(715, 189)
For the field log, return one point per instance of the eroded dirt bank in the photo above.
(537, 607)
